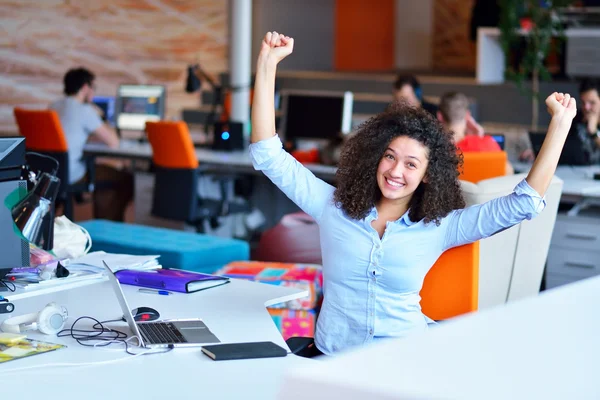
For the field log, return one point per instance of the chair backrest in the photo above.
(512, 261)
(172, 145)
(175, 170)
(42, 130)
(451, 286)
(480, 165)
(533, 246)
(44, 134)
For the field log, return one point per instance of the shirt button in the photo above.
(370, 331)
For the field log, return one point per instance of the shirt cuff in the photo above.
(538, 202)
(265, 150)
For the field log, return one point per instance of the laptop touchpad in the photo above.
(196, 332)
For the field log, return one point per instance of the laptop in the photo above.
(572, 152)
(190, 332)
(499, 138)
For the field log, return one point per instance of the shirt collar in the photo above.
(403, 219)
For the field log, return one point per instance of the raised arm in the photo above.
(274, 48)
(562, 108)
(294, 179)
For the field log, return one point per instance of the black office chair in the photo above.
(177, 174)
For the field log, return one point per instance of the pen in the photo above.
(155, 291)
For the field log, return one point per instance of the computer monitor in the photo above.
(107, 105)
(12, 157)
(315, 115)
(137, 104)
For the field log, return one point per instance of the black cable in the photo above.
(5, 283)
(33, 153)
(98, 334)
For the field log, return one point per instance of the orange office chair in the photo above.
(482, 165)
(450, 289)
(177, 173)
(44, 134)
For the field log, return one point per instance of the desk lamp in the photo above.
(34, 214)
(195, 74)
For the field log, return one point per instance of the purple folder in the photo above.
(170, 279)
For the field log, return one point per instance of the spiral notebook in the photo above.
(171, 279)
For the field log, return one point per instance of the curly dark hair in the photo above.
(357, 191)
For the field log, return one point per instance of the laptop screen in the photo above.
(499, 139)
(123, 303)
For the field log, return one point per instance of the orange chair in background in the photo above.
(177, 173)
(482, 165)
(44, 134)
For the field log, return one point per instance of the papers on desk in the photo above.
(86, 268)
(93, 262)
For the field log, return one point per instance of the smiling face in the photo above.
(401, 169)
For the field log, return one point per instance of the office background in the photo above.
(152, 41)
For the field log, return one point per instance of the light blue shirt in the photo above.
(371, 286)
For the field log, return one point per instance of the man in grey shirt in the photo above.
(81, 121)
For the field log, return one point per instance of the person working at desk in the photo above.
(454, 114)
(588, 126)
(81, 121)
(397, 206)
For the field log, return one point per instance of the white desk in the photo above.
(234, 312)
(543, 347)
(226, 161)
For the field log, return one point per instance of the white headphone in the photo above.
(49, 321)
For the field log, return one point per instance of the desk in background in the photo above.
(227, 161)
(266, 196)
(235, 312)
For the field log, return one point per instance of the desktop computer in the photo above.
(315, 117)
(136, 104)
(14, 249)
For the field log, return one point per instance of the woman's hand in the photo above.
(561, 105)
(562, 108)
(275, 47)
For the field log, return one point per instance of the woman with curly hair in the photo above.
(397, 207)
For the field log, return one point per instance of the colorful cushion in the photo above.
(305, 276)
(294, 322)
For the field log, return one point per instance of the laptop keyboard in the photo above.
(161, 332)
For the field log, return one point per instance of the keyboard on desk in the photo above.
(160, 332)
